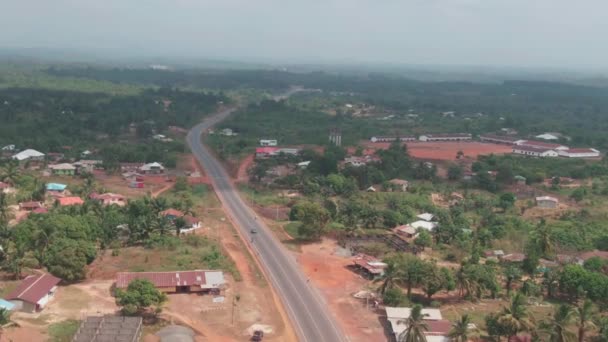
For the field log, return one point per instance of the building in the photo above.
(109, 199)
(513, 258)
(547, 202)
(547, 136)
(69, 201)
(8, 148)
(192, 223)
(130, 167)
(87, 165)
(405, 231)
(304, 164)
(34, 292)
(335, 136)
(424, 225)
(268, 142)
(381, 139)
(64, 169)
(171, 214)
(535, 151)
(356, 161)
(135, 184)
(109, 328)
(446, 137)
(541, 145)
(265, 152)
(30, 206)
(498, 139)
(426, 217)
(56, 187)
(152, 169)
(176, 281)
(579, 153)
(520, 180)
(5, 188)
(399, 184)
(370, 265)
(228, 132)
(289, 151)
(438, 328)
(27, 155)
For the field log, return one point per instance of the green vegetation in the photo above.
(63, 331)
(139, 296)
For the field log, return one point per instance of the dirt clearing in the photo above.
(447, 150)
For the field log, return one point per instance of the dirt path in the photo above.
(241, 175)
(161, 190)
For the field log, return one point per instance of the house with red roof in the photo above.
(30, 206)
(176, 281)
(171, 214)
(266, 152)
(68, 201)
(34, 292)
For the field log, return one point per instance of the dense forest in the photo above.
(529, 106)
(48, 119)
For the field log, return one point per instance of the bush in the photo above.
(394, 297)
(435, 304)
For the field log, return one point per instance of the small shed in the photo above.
(547, 202)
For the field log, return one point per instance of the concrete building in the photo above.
(64, 169)
(176, 281)
(335, 136)
(446, 137)
(438, 328)
(268, 142)
(499, 139)
(547, 202)
(541, 145)
(579, 153)
(34, 292)
(27, 155)
(535, 152)
(381, 139)
(399, 184)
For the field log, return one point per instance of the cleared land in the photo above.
(446, 150)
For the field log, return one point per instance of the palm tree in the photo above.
(460, 330)
(585, 313)
(10, 172)
(512, 274)
(5, 212)
(392, 273)
(416, 327)
(544, 238)
(557, 326)
(515, 317)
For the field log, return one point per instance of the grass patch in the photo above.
(262, 197)
(292, 229)
(8, 287)
(63, 331)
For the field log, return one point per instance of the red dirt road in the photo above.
(447, 150)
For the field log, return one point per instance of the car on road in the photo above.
(254, 231)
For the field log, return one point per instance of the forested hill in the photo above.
(47, 119)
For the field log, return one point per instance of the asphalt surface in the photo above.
(306, 308)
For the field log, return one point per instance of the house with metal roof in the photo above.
(57, 187)
(28, 154)
(438, 328)
(34, 292)
(176, 281)
(152, 169)
(64, 169)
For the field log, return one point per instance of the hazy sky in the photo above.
(472, 32)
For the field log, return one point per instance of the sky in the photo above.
(520, 33)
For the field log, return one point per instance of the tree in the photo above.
(556, 328)
(455, 172)
(543, 239)
(515, 318)
(391, 274)
(416, 327)
(578, 194)
(313, 217)
(393, 297)
(512, 274)
(424, 239)
(584, 315)
(67, 258)
(10, 172)
(506, 200)
(460, 330)
(435, 279)
(413, 272)
(139, 296)
(5, 212)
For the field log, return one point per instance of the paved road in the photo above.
(305, 306)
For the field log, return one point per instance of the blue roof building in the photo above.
(6, 304)
(55, 187)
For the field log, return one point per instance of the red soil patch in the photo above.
(337, 283)
(447, 150)
(241, 175)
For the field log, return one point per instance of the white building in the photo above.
(446, 137)
(268, 142)
(534, 151)
(152, 168)
(580, 153)
(8, 148)
(438, 328)
(28, 154)
(426, 217)
(424, 224)
(34, 292)
(547, 136)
